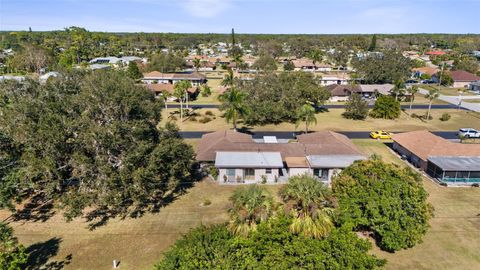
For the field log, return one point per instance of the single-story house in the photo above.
(308, 65)
(444, 160)
(160, 88)
(240, 159)
(112, 60)
(461, 78)
(369, 90)
(418, 72)
(334, 79)
(171, 78)
(342, 92)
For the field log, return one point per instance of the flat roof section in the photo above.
(457, 163)
(333, 161)
(248, 160)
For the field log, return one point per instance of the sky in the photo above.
(246, 16)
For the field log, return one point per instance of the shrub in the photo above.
(205, 119)
(356, 108)
(206, 202)
(386, 107)
(445, 117)
(192, 118)
(209, 113)
(475, 185)
(264, 179)
(414, 115)
(173, 118)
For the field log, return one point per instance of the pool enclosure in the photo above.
(455, 170)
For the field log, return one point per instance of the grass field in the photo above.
(333, 120)
(453, 242)
(449, 91)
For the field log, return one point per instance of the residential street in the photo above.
(454, 100)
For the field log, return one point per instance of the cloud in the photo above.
(205, 8)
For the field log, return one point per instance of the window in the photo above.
(249, 173)
(268, 171)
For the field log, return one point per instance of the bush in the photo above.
(475, 185)
(356, 108)
(206, 202)
(192, 118)
(209, 113)
(414, 115)
(445, 117)
(173, 118)
(386, 107)
(205, 119)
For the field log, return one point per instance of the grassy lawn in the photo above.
(453, 241)
(471, 100)
(333, 120)
(449, 91)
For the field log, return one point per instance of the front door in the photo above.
(231, 175)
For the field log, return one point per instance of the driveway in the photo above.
(455, 100)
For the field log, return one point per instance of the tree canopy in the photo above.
(166, 62)
(385, 199)
(356, 108)
(387, 67)
(386, 107)
(91, 140)
(12, 254)
(275, 98)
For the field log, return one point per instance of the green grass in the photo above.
(449, 91)
(333, 120)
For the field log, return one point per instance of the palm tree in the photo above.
(180, 92)
(398, 89)
(413, 91)
(237, 59)
(234, 105)
(310, 204)
(316, 56)
(251, 205)
(432, 94)
(306, 114)
(229, 79)
(196, 63)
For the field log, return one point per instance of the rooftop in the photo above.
(457, 163)
(248, 160)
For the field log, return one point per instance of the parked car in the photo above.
(428, 82)
(468, 133)
(380, 134)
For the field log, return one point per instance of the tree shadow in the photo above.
(39, 255)
(38, 208)
(101, 215)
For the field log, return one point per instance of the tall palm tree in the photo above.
(181, 92)
(413, 91)
(251, 205)
(306, 114)
(432, 95)
(197, 63)
(233, 103)
(398, 88)
(316, 56)
(310, 204)
(229, 79)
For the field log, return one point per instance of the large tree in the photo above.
(386, 107)
(385, 199)
(92, 141)
(166, 62)
(31, 59)
(356, 108)
(386, 67)
(265, 63)
(234, 106)
(275, 98)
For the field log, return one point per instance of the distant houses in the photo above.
(171, 78)
(241, 159)
(304, 64)
(343, 92)
(461, 78)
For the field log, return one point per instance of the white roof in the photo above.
(270, 139)
(248, 160)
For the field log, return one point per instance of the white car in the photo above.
(468, 133)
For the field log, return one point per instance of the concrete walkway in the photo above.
(455, 100)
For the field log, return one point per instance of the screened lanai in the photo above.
(452, 170)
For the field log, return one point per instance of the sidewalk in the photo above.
(455, 100)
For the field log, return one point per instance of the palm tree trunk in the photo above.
(181, 110)
(429, 107)
(411, 102)
(186, 96)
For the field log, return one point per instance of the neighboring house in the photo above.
(308, 65)
(449, 162)
(461, 78)
(418, 72)
(240, 159)
(342, 92)
(334, 79)
(474, 86)
(9, 77)
(435, 53)
(99, 66)
(171, 78)
(112, 60)
(160, 88)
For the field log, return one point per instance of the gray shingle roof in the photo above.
(248, 160)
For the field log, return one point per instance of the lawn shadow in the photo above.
(39, 255)
(38, 208)
(100, 216)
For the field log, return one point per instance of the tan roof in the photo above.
(303, 62)
(426, 70)
(296, 162)
(318, 143)
(463, 76)
(337, 90)
(424, 144)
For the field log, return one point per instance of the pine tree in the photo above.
(373, 43)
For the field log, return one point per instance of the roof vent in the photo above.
(270, 139)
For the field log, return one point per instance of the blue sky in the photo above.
(246, 16)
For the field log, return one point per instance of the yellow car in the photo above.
(381, 135)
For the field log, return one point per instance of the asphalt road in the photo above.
(291, 135)
(336, 106)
